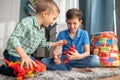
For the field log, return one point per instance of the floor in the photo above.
(117, 77)
(68, 74)
(112, 78)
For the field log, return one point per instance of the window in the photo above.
(64, 5)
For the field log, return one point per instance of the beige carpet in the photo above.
(71, 75)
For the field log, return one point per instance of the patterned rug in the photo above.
(71, 75)
(100, 72)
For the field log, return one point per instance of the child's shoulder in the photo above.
(27, 20)
(82, 30)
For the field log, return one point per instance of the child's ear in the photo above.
(81, 21)
(45, 13)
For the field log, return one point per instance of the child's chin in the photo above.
(46, 25)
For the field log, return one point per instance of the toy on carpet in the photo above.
(22, 72)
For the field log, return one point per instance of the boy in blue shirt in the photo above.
(81, 58)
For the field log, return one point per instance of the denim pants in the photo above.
(91, 61)
(13, 58)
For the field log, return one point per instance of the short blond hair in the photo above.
(43, 5)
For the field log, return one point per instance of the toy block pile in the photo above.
(104, 44)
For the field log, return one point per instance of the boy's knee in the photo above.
(95, 61)
(6, 55)
(46, 61)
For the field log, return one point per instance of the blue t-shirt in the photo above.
(79, 41)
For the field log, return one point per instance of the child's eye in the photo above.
(54, 18)
(69, 23)
(75, 23)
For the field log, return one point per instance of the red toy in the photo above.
(20, 73)
(65, 42)
(71, 49)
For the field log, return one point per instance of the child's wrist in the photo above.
(55, 54)
(54, 43)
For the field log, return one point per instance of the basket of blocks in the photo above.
(104, 44)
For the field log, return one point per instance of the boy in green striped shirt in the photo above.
(29, 34)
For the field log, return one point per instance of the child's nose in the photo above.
(71, 25)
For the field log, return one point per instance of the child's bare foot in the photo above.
(89, 69)
(82, 69)
(57, 61)
(57, 58)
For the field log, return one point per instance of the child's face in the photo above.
(50, 18)
(73, 24)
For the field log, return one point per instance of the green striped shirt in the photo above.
(28, 36)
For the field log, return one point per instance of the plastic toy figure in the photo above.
(21, 72)
(72, 49)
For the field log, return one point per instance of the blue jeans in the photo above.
(91, 61)
(13, 58)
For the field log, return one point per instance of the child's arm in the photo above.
(59, 43)
(26, 60)
(56, 55)
(44, 43)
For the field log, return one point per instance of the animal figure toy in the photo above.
(22, 72)
(71, 49)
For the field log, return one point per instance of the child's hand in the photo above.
(73, 55)
(59, 43)
(28, 62)
(62, 42)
